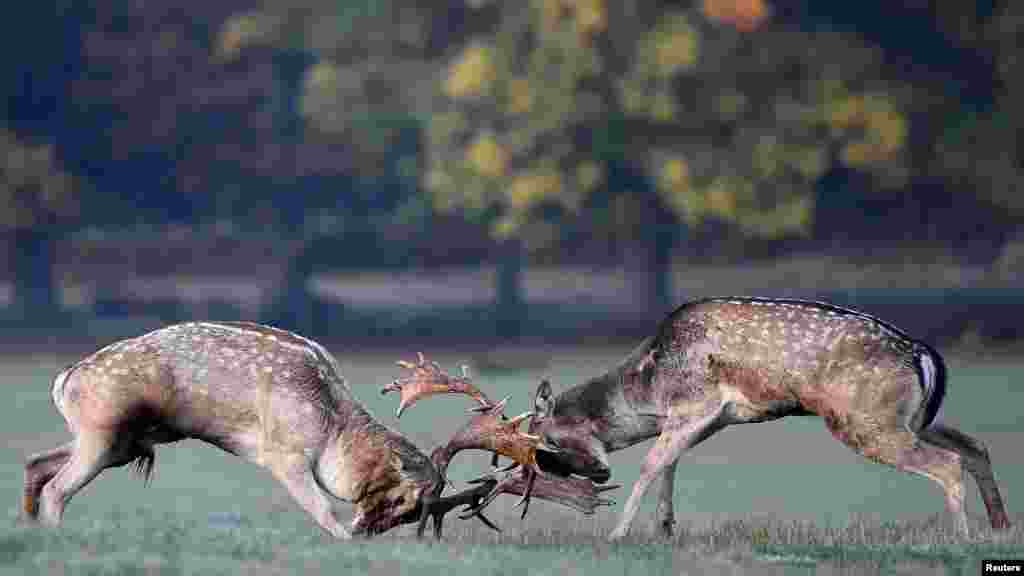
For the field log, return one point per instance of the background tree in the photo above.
(665, 115)
(38, 199)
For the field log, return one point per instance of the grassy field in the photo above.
(782, 497)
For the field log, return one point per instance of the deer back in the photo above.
(220, 381)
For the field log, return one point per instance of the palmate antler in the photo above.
(489, 430)
(427, 379)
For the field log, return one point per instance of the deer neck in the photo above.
(362, 455)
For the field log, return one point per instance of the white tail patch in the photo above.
(929, 375)
(927, 372)
(58, 387)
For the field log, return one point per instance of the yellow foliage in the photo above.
(634, 99)
(766, 157)
(675, 175)
(811, 162)
(847, 111)
(744, 15)
(885, 127)
(591, 16)
(472, 72)
(858, 153)
(487, 156)
(889, 128)
(520, 96)
(322, 76)
(551, 14)
(531, 188)
(731, 104)
(663, 109)
(675, 45)
(588, 175)
(720, 200)
(443, 126)
(506, 226)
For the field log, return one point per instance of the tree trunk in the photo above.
(649, 264)
(35, 291)
(293, 307)
(510, 306)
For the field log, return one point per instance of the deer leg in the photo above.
(897, 446)
(92, 452)
(664, 512)
(677, 436)
(39, 469)
(974, 458)
(296, 473)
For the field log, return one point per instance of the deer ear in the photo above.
(542, 401)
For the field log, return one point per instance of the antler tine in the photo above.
(427, 378)
(436, 507)
(578, 493)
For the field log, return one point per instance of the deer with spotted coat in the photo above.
(277, 400)
(722, 361)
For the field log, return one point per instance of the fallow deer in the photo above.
(275, 399)
(722, 361)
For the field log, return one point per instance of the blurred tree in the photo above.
(980, 149)
(357, 91)
(37, 200)
(668, 115)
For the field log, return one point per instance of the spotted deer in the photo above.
(722, 361)
(277, 400)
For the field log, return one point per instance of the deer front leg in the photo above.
(296, 473)
(664, 512)
(678, 435)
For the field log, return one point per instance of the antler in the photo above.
(578, 493)
(427, 379)
(489, 430)
(436, 507)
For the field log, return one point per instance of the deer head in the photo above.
(488, 429)
(574, 447)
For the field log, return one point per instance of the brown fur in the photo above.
(269, 396)
(723, 361)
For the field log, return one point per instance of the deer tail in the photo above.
(143, 465)
(931, 371)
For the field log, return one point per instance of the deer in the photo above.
(278, 400)
(716, 362)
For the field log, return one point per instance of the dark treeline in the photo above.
(571, 132)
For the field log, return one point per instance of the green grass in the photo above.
(782, 497)
(140, 540)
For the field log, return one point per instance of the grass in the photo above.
(779, 498)
(141, 540)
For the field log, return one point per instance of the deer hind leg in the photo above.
(91, 452)
(974, 458)
(664, 511)
(678, 435)
(296, 473)
(897, 446)
(39, 469)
